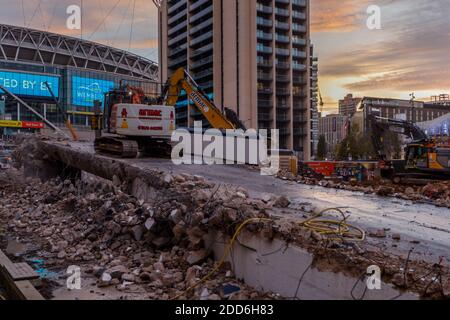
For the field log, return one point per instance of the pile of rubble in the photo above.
(436, 193)
(126, 243)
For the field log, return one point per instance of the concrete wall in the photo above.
(272, 267)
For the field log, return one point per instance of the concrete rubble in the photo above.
(122, 241)
(158, 242)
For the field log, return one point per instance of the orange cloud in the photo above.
(338, 16)
(104, 21)
(409, 54)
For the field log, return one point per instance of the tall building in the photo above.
(334, 128)
(348, 106)
(314, 98)
(251, 56)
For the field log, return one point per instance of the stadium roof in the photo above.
(438, 126)
(18, 44)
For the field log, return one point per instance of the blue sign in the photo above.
(29, 84)
(86, 90)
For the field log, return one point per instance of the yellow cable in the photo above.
(329, 227)
(323, 226)
(225, 255)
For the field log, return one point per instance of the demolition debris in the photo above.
(153, 245)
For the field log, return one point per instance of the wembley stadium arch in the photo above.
(78, 71)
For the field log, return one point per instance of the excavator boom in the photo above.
(181, 80)
(402, 127)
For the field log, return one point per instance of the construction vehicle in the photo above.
(136, 122)
(425, 157)
(227, 120)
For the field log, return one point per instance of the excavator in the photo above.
(425, 157)
(138, 123)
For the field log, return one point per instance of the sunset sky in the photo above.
(409, 54)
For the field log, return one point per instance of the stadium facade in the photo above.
(78, 72)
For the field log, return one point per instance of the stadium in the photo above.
(77, 71)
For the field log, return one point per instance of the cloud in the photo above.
(405, 81)
(338, 16)
(104, 21)
(410, 53)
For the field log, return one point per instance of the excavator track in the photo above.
(117, 147)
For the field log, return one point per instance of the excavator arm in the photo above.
(381, 125)
(401, 127)
(181, 80)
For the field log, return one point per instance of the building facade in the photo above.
(77, 71)
(412, 111)
(437, 127)
(314, 106)
(442, 99)
(349, 105)
(334, 128)
(250, 56)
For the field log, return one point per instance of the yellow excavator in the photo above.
(135, 122)
(426, 158)
(182, 80)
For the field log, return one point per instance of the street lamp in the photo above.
(413, 109)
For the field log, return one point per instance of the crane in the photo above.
(157, 3)
(321, 104)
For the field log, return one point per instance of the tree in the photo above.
(348, 146)
(322, 148)
(356, 145)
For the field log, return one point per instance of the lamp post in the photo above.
(413, 108)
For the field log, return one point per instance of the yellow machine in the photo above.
(426, 157)
(182, 80)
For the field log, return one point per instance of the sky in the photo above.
(409, 53)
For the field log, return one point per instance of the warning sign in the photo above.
(32, 125)
(10, 124)
(21, 124)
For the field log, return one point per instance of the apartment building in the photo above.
(334, 128)
(349, 105)
(314, 102)
(251, 56)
